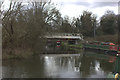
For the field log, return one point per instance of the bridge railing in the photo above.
(65, 34)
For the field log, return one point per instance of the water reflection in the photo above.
(65, 66)
(117, 65)
(82, 65)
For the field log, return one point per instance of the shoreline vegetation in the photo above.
(104, 38)
(20, 53)
(24, 27)
(16, 54)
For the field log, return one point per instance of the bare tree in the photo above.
(8, 21)
(1, 3)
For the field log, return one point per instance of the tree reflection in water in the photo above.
(81, 65)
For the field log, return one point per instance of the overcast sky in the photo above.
(74, 8)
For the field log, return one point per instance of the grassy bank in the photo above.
(77, 47)
(104, 38)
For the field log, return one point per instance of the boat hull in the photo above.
(106, 49)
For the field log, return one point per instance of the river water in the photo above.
(76, 65)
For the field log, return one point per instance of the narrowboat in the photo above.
(107, 47)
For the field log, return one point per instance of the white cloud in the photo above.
(91, 1)
(74, 8)
(101, 10)
(6, 4)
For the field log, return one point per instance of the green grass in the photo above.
(75, 46)
(75, 49)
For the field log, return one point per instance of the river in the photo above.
(83, 64)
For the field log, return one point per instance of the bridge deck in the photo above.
(65, 36)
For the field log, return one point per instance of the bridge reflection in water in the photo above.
(85, 65)
(77, 65)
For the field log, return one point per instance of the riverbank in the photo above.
(76, 47)
(23, 53)
(104, 38)
(17, 53)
